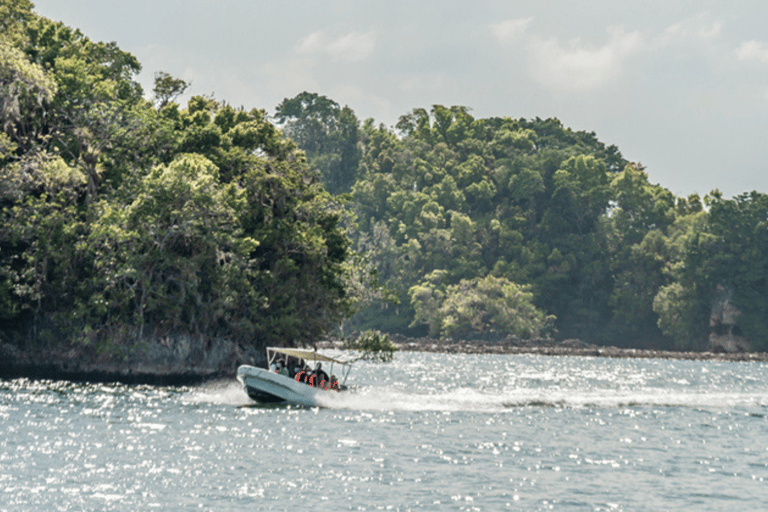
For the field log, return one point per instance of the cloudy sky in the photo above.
(680, 86)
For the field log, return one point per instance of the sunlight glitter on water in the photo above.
(600, 383)
(430, 431)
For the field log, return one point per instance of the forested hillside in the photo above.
(512, 226)
(121, 216)
(123, 213)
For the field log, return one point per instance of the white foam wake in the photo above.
(463, 399)
(222, 393)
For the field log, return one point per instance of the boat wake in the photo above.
(220, 393)
(374, 398)
(387, 399)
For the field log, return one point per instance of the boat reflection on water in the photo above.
(290, 379)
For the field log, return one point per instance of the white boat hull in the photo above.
(265, 386)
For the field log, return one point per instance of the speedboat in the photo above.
(299, 385)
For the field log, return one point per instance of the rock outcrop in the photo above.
(168, 359)
(724, 334)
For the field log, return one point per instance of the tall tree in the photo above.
(327, 133)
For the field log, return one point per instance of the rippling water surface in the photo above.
(428, 432)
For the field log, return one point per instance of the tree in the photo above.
(327, 133)
(472, 307)
(167, 89)
(372, 346)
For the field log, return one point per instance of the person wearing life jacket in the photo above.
(300, 371)
(321, 378)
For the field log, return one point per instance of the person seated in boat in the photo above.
(297, 368)
(290, 366)
(283, 369)
(334, 385)
(301, 372)
(321, 378)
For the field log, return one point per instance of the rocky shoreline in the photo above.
(171, 359)
(183, 359)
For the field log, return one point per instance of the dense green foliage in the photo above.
(327, 133)
(121, 217)
(500, 225)
(476, 306)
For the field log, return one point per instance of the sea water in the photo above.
(426, 432)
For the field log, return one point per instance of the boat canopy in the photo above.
(307, 355)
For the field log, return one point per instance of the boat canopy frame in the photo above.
(307, 355)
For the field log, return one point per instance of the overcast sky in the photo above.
(680, 86)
